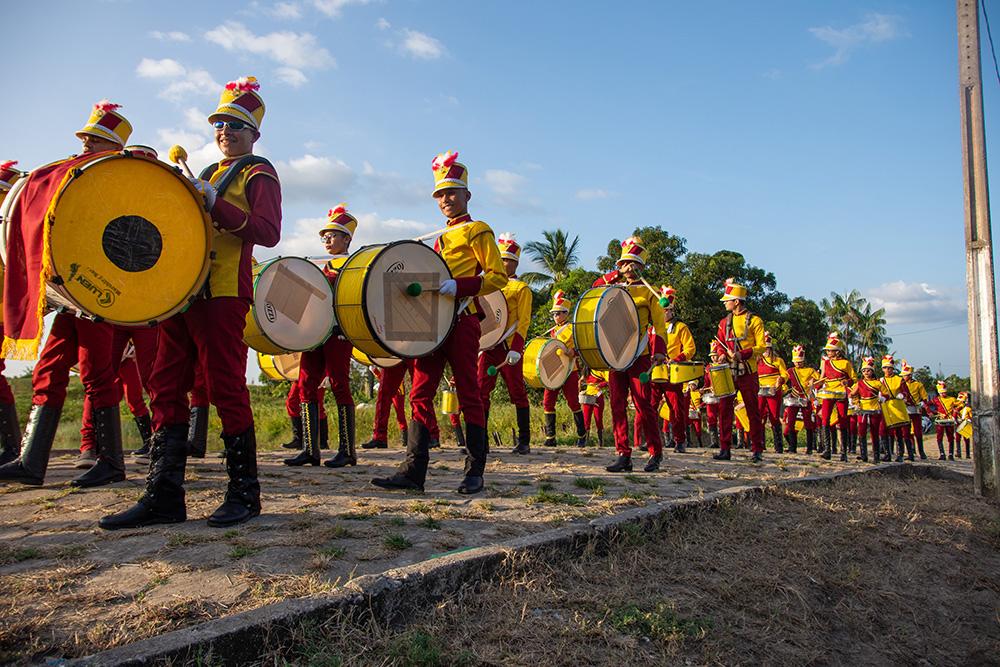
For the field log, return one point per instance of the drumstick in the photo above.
(178, 155)
(416, 289)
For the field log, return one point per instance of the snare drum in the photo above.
(894, 413)
(547, 363)
(381, 362)
(721, 379)
(767, 391)
(374, 306)
(279, 367)
(685, 371)
(606, 328)
(449, 402)
(494, 325)
(587, 399)
(870, 406)
(292, 308)
(792, 401)
(913, 409)
(964, 428)
(134, 245)
(665, 411)
(660, 373)
(830, 395)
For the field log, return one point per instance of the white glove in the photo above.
(448, 288)
(513, 357)
(207, 191)
(899, 395)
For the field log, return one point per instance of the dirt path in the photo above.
(67, 588)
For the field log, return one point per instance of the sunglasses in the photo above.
(236, 125)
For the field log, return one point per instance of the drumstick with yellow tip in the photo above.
(179, 156)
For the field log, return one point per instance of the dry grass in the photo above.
(867, 571)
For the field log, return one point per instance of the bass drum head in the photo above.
(129, 240)
(615, 326)
(494, 325)
(292, 303)
(287, 365)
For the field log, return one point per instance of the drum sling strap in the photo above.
(796, 384)
(742, 367)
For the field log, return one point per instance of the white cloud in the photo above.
(503, 182)
(286, 10)
(182, 81)
(382, 24)
(314, 179)
(386, 188)
(420, 45)
(291, 76)
(301, 237)
(333, 8)
(171, 36)
(874, 29)
(506, 187)
(159, 69)
(291, 49)
(917, 303)
(593, 193)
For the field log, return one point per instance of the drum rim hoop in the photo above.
(506, 321)
(538, 361)
(364, 292)
(605, 290)
(265, 265)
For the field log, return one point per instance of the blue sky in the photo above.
(820, 139)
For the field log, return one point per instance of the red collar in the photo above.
(459, 220)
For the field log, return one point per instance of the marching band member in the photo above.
(694, 410)
(772, 373)
(964, 414)
(943, 409)
(742, 334)
(293, 407)
(800, 379)
(467, 247)
(622, 383)
(919, 394)
(506, 357)
(717, 357)
(895, 387)
(10, 431)
(390, 397)
(836, 376)
(563, 331)
(596, 386)
(128, 383)
(330, 360)
(243, 196)
(870, 392)
(853, 408)
(73, 339)
(680, 347)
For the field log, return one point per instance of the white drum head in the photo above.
(495, 324)
(293, 303)
(554, 364)
(617, 324)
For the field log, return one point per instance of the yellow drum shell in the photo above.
(365, 360)
(721, 377)
(965, 429)
(685, 371)
(547, 363)
(741, 417)
(606, 328)
(665, 411)
(449, 402)
(894, 413)
(659, 373)
(870, 404)
(279, 367)
(830, 395)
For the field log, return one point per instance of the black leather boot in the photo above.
(581, 430)
(145, 428)
(110, 466)
(296, 441)
(10, 433)
(242, 501)
(39, 433)
(379, 444)
(550, 429)
(810, 441)
(920, 445)
(863, 442)
(310, 437)
(723, 455)
(346, 454)
(600, 436)
(845, 437)
(653, 464)
(792, 440)
(198, 432)
(951, 450)
(827, 443)
(622, 464)
(324, 433)
(475, 460)
(909, 446)
(523, 431)
(713, 437)
(163, 500)
(968, 449)
(779, 447)
(412, 472)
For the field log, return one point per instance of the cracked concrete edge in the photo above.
(391, 595)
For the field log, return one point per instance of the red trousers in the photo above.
(622, 383)
(827, 409)
(769, 408)
(459, 351)
(199, 390)
(917, 427)
(945, 429)
(679, 403)
(571, 390)
(792, 413)
(6, 395)
(293, 406)
(74, 340)
(870, 423)
(332, 359)
(712, 414)
(596, 411)
(128, 382)
(390, 398)
(747, 386)
(513, 377)
(209, 334)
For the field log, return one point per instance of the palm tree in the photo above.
(871, 332)
(557, 254)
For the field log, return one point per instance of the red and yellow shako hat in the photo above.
(560, 304)
(633, 251)
(941, 387)
(9, 175)
(906, 369)
(963, 396)
(888, 361)
(767, 339)
(509, 247)
(868, 363)
(339, 220)
(241, 101)
(668, 295)
(832, 341)
(105, 122)
(448, 173)
(798, 353)
(141, 150)
(733, 291)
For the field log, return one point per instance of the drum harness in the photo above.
(739, 367)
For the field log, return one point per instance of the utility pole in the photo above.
(983, 357)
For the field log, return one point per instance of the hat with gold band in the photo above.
(888, 361)
(633, 251)
(734, 291)
(798, 354)
(339, 220)
(241, 101)
(448, 173)
(560, 304)
(833, 341)
(105, 122)
(868, 364)
(509, 247)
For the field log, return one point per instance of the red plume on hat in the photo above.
(340, 209)
(106, 105)
(4, 166)
(243, 84)
(444, 160)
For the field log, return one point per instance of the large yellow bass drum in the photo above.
(606, 328)
(292, 308)
(547, 363)
(365, 360)
(129, 238)
(387, 303)
(279, 367)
